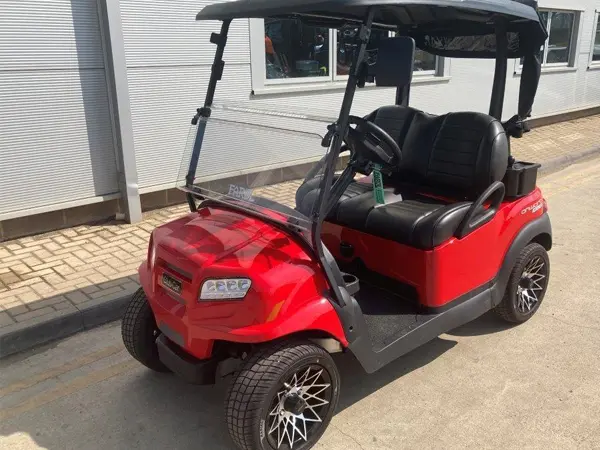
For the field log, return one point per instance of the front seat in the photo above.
(456, 156)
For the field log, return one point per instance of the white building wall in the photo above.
(56, 139)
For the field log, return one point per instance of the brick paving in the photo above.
(66, 270)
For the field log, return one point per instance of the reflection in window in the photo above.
(596, 50)
(559, 41)
(424, 61)
(347, 46)
(295, 50)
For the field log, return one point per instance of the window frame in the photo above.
(595, 29)
(258, 70)
(571, 63)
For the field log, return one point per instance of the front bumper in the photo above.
(187, 367)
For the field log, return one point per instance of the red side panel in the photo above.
(450, 270)
(286, 296)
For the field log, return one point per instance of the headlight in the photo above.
(225, 289)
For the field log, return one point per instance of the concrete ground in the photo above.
(484, 385)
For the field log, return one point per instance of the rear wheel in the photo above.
(526, 286)
(283, 397)
(139, 332)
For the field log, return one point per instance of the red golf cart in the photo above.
(397, 227)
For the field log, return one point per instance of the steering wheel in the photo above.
(373, 142)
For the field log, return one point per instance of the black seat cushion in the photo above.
(417, 221)
(307, 195)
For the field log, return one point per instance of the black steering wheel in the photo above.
(373, 142)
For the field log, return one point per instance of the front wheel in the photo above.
(526, 286)
(283, 397)
(139, 332)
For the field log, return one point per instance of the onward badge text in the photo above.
(240, 193)
(535, 207)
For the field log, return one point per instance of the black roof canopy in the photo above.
(457, 28)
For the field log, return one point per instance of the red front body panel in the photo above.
(286, 296)
(452, 269)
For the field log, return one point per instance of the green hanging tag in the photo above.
(378, 185)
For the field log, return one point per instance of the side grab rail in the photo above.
(477, 215)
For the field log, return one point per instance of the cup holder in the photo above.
(352, 285)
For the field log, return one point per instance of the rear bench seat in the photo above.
(457, 155)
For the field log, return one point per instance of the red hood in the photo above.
(207, 236)
(287, 288)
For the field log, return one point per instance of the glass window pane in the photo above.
(559, 42)
(295, 50)
(424, 61)
(347, 46)
(596, 52)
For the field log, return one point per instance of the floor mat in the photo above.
(388, 316)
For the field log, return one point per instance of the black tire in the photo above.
(511, 308)
(139, 332)
(254, 391)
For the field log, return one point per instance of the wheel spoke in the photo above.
(275, 424)
(537, 286)
(314, 378)
(292, 422)
(533, 296)
(316, 419)
(303, 378)
(284, 433)
(280, 436)
(321, 401)
(534, 265)
(537, 278)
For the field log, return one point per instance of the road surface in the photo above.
(483, 385)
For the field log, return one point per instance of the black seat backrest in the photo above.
(459, 154)
(395, 120)
(464, 152)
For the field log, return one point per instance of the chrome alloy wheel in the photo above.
(298, 409)
(531, 285)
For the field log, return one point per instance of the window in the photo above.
(558, 50)
(299, 53)
(595, 53)
(294, 50)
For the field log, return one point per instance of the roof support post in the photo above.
(204, 113)
(341, 128)
(497, 101)
(118, 95)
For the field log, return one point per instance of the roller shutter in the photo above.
(56, 138)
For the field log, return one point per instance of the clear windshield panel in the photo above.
(256, 167)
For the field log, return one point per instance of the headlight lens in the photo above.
(225, 289)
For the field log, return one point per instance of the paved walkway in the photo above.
(51, 276)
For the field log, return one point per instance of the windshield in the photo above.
(258, 167)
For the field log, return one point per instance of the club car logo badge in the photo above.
(171, 283)
(240, 193)
(534, 208)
